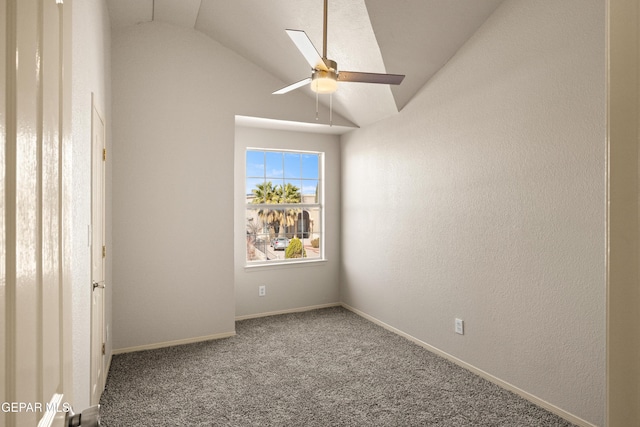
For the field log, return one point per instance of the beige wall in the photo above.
(174, 111)
(484, 199)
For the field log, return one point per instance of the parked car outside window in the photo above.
(280, 243)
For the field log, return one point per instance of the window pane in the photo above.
(310, 191)
(312, 248)
(310, 166)
(292, 165)
(291, 191)
(257, 247)
(274, 165)
(254, 225)
(254, 188)
(271, 231)
(275, 221)
(279, 193)
(255, 163)
(311, 236)
(314, 221)
(264, 192)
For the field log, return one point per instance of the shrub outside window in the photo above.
(284, 216)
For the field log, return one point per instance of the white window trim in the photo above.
(296, 262)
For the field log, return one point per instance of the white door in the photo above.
(35, 300)
(98, 254)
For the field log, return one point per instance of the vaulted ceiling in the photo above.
(411, 37)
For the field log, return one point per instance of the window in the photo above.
(283, 206)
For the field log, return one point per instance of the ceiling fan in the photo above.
(325, 75)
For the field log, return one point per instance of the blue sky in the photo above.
(299, 169)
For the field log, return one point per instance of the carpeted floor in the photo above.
(326, 367)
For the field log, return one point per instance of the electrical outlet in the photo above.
(262, 290)
(460, 326)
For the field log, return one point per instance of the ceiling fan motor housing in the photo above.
(325, 81)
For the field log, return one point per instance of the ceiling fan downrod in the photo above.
(324, 29)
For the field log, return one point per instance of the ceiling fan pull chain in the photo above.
(316, 106)
(331, 109)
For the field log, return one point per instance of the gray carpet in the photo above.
(325, 367)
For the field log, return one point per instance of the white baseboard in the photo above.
(108, 364)
(218, 336)
(106, 372)
(173, 343)
(530, 397)
(292, 310)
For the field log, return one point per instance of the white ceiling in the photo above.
(411, 37)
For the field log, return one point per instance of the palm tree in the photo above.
(288, 194)
(266, 193)
(263, 193)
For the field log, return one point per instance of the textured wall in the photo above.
(292, 286)
(173, 159)
(484, 200)
(91, 74)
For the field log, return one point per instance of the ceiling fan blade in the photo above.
(292, 86)
(304, 45)
(355, 76)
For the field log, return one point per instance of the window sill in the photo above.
(276, 265)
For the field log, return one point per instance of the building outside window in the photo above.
(284, 206)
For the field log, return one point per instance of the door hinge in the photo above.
(104, 251)
(104, 154)
(104, 349)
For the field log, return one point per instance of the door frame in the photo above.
(35, 253)
(98, 252)
(622, 214)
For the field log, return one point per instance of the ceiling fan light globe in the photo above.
(324, 85)
(324, 81)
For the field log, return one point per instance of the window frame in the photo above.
(319, 206)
